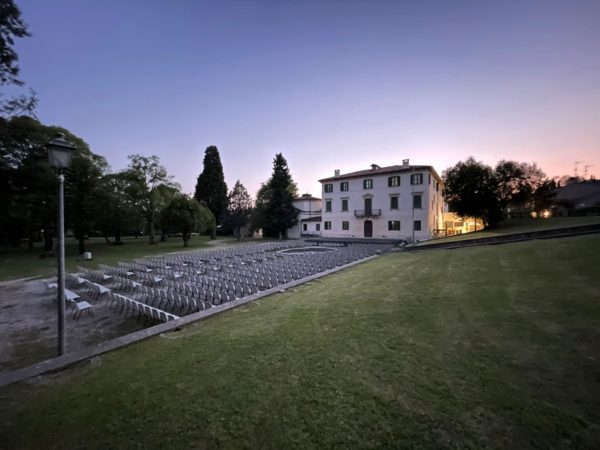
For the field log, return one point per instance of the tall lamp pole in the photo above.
(59, 155)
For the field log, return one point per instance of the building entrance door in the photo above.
(368, 228)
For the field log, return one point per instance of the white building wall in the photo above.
(308, 207)
(430, 214)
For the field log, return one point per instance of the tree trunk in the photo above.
(81, 244)
(30, 240)
(106, 238)
(151, 239)
(186, 238)
(118, 237)
(163, 236)
(48, 238)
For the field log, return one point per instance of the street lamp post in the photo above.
(59, 155)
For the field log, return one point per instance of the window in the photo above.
(345, 225)
(393, 181)
(318, 227)
(329, 187)
(417, 201)
(327, 205)
(394, 202)
(344, 186)
(437, 186)
(344, 204)
(416, 178)
(394, 225)
(328, 225)
(429, 178)
(417, 226)
(368, 184)
(304, 227)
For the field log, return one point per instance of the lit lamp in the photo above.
(59, 155)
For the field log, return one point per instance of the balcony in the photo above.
(367, 212)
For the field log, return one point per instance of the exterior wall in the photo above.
(430, 214)
(308, 207)
(312, 228)
(454, 224)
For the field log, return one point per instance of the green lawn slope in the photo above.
(494, 346)
(514, 226)
(23, 262)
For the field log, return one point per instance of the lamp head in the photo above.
(60, 152)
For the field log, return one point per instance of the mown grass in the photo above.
(494, 346)
(22, 262)
(513, 226)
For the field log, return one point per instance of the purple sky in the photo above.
(331, 85)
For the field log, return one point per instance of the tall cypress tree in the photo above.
(280, 213)
(211, 189)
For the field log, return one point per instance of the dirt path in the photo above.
(28, 324)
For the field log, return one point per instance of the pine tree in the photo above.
(279, 212)
(211, 189)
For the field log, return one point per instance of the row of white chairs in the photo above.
(130, 305)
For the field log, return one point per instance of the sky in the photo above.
(330, 84)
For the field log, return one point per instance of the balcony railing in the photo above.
(367, 212)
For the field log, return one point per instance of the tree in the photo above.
(28, 184)
(163, 196)
(82, 180)
(116, 211)
(186, 215)
(146, 174)
(12, 27)
(211, 189)
(517, 182)
(277, 200)
(543, 197)
(471, 190)
(239, 209)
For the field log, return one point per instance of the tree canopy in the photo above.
(28, 184)
(186, 216)
(146, 174)
(239, 209)
(211, 189)
(12, 27)
(471, 191)
(474, 189)
(275, 211)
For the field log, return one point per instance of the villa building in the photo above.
(394, 202)
(309, 217)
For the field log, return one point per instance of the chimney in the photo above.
(375, 167)
(405, 162)
(336, 172)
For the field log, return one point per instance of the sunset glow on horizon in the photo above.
(331, 85)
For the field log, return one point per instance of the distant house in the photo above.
(394, 202)
(582, 198)
(309, 217)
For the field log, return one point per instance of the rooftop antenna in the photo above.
(585, 170)
(576, 164)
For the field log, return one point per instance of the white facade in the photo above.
(395, 202)
(309, 217)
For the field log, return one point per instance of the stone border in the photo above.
(62, 362)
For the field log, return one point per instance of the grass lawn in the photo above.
(20, 263)
(495, 346)
(513, 226)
